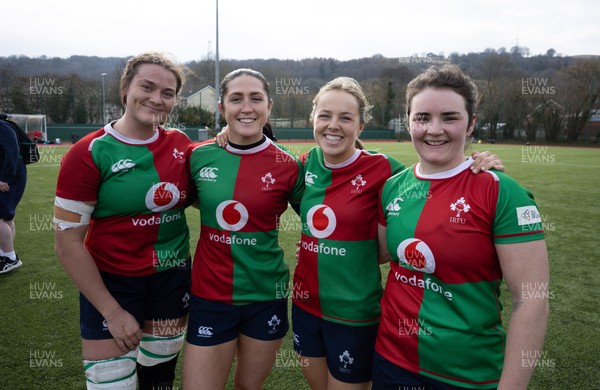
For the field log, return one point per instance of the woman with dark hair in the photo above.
(239, 271)
(441, 325)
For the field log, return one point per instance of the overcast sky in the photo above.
(341, 29)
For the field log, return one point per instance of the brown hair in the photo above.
(446, 77)
(155, 58)
(243, 72)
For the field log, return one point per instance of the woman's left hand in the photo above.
(223, 137)
(484, 161)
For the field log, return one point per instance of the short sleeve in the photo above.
(517, 218)
(78, 177)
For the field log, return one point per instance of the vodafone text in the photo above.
(156, 220)
(426, 284)
(231, 240)
(324, 249)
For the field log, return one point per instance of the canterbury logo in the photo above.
(309, 178)
(205, 331)
(208, 173)
(122, 165)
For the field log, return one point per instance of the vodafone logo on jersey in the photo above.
(162, 196)
(232, 215)
(321, 221)
(415, 254)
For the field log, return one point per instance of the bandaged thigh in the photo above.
(155, 350)
(116, 373)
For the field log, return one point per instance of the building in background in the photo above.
(204, 98)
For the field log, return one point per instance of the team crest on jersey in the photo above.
(358, 183)
(162, 196)
(321, 221)
(177, 155)
(309, 178)
(208, 174)
(416, 255)
(232, 215)
(394, 207)
(267, 180)
(461, 207)
(122, 165)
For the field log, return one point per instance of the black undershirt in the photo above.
(246, 147)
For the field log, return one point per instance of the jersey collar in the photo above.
(256, 149)
(343, 164)
(443, 175)
(109, 129)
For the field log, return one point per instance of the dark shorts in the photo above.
(388, 376)
(212, 323)
(348, 349)
(161, 296)
(10, 199)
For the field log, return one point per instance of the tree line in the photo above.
(543, 97)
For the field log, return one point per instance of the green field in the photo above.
(39, 331)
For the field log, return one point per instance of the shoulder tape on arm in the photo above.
(83, 209)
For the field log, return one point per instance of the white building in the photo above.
(204, 98)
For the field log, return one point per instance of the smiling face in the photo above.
(149, 98)
(336, 125)
(246, 108)
(439, 126)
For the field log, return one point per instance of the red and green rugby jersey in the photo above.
(242, 194)
(138, 226)
(440, 311)
(337, 277)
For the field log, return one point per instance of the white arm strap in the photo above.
(75, 206)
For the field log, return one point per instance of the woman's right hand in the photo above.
(125, 329)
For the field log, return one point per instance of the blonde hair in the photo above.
(351, 86)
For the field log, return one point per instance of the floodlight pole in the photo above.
(217, 77)
(103, 101)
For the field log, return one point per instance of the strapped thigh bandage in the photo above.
(159, 349)
(116, 373)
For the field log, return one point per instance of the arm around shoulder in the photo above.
(383, 255)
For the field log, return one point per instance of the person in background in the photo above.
(239, 275)
(453, 237)
(122, 236)
(13, 179)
